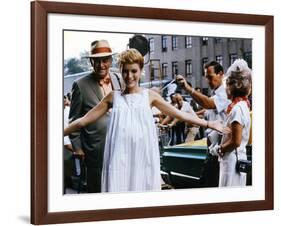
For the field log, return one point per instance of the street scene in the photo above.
(151, 112)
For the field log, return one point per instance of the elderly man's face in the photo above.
(101, 66)
(179, 100)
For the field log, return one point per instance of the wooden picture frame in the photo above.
(39, 111)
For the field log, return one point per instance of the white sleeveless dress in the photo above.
(131, 155)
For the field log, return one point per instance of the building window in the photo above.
(218, 40)
(219, 59)
(248, 58)
(232, 39)
(174, 42)
(164, 70)
(164, 39)
(205, 41)
(204, 62)
(232, 58)
(188, 41)
(188, 68)
(152, 71)
(151, 45)
(174, 68)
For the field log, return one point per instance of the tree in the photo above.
(72, 66)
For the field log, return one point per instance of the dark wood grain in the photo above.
(269, 112)
(153, 13)
(39, 113)
(39, 109)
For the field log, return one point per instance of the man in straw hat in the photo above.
(87, 92)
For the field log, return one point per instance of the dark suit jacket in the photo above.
(196, 107)
(86, 93)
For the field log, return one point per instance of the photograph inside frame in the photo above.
(151, 112)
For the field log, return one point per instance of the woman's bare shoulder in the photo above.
(154, 97)
(153, 93)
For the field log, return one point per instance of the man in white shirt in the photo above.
(186, 129)
(216, 106)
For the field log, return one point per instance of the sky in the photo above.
(76, 42)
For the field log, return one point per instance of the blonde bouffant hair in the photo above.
(239, 78)
(130, 56)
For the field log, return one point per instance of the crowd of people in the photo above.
(112, 128)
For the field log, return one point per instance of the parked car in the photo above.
(182, 164)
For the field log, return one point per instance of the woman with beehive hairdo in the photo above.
(233, 147)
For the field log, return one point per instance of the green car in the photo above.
(181, 165)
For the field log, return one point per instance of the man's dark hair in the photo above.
(68, 96)
(217, 67)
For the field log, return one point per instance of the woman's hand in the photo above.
(215, 150)
(163, 128)
(218, 126)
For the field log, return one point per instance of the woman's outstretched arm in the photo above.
(157, 101)
(94, 114)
